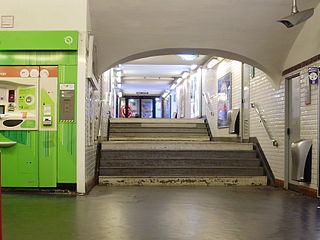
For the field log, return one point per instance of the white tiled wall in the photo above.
(209, 86)
(100, 96)
(271, 102)
(92, 112)
(106, 100)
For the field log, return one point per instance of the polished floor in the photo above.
(163, 213)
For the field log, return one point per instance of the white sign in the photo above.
(68, 86)
(313, 73)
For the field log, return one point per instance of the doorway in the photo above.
(139, 107)
(293, 113)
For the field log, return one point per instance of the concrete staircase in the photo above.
(183, 158)
(158, 129)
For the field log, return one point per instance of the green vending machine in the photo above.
(37, 109)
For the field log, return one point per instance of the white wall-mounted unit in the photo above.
(91, 62)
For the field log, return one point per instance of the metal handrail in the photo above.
(208, 103)
(264, 123)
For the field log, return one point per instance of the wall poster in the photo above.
(192, 89)
(224, 100)
(181, 109)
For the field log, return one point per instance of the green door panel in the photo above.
(47, 159)
(67, 153)
(67, 137)
(20, 162)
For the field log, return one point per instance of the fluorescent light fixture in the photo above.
(173, 86)
(118, 74)
(185, 75)
(193, 67)
(118, 68)
(165, 96)
(212, 63)
(188, 57)
(148, 78)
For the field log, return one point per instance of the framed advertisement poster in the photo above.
(224, 100)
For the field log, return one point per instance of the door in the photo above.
(133, 108)
(147, 108)
(292, 122)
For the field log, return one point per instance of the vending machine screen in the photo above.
(11, 96)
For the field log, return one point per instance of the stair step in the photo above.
(184, 155)
(226, 139)
(184, 181)
(156, 120)
(158, 135)
(175, 146)
(216, 171)
(178, 162)
(159, 130)
(157, 125)
(141, 138)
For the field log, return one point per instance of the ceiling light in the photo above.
(118, 73)
(173, 86)
(179, 81)
(212, 63)
(185, 75)
(193, 67)
(188, 57)
(119, 94)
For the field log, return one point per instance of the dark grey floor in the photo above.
(162, 213)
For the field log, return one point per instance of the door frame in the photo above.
(142, 97)
(286, 138)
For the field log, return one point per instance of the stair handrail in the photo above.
(264, 123)
(207, 101)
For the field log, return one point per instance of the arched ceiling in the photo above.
(244, 30)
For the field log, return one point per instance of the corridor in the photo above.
(159, 120)
(163, 213)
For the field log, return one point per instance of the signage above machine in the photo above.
(39, 40)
